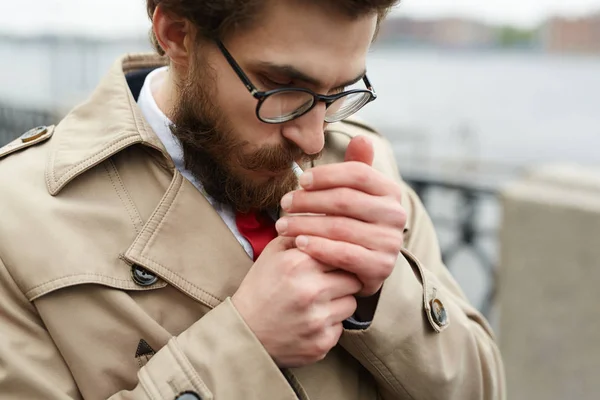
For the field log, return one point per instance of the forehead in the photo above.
(309, 37)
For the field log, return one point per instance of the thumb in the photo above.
(360, 149)
(281, 243)
(278, 245)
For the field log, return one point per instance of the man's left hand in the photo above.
(357, 222)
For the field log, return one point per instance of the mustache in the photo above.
(276, 158)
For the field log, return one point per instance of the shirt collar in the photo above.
(158, 121)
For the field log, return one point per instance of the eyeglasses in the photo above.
(285, 104)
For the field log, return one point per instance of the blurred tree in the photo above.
(509, 36)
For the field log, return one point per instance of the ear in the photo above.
(174, 35)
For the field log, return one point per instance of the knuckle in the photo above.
(390, 263)
(291, 261)
(362, 173)
(339, 228)
(371, 287)
(399, 239)
(355, 282)
(316, 356)
(304, 260)
(323, 345)
(397, 192)
(315, 324)
(397, 215)
(402, 216)
(300, 198)
(321, 348)
(306, 298)
(335, 332)
(342, 201)
(296, 259)
(387, 264)
(291, 225)
(347, 258)
(392, 242)
(350, 307)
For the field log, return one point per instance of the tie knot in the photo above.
(258, 228)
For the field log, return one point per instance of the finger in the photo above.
(371, 236)
(346, 203)
(341, 309)
(320, 343)
(353, 175)
(340, 284)
(360, 149)
(371, 267)
(280, 243)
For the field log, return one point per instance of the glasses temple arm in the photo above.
(237, 69)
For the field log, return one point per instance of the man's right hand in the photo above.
(294, 304)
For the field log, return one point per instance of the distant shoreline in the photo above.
(534, 50)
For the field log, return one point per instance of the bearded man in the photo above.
(210, 225)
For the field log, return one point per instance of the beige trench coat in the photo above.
(116, 276)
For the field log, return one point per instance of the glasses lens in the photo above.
(345, 106)
(285, 105)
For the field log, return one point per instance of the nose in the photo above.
(308, 131)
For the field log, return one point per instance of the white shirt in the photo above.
(160, 123)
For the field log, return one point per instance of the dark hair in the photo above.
(217, 18)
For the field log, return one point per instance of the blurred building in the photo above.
(55, 72)
(580, 35)
(446, 32)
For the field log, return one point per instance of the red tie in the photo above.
(257, 228)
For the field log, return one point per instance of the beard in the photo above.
(216, 157)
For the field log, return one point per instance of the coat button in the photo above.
(188, 396)
(142, 277)
(33, 134)
(438, 312)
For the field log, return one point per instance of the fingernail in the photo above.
(301, 242)
(286, 202)
(281, 226)
(306, 180)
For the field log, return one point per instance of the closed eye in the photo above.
(337, 91)
(272, 84)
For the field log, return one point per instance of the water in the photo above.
(511, 109)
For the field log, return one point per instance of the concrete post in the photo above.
(549, 284)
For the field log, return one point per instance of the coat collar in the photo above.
(184, 241)
(105, 124)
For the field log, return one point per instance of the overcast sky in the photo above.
(118, 17)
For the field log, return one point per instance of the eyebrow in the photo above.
(295, 74)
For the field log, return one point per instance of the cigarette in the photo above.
(297, 170)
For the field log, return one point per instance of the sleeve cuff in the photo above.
(353, 324)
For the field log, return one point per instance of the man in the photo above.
(139, 256)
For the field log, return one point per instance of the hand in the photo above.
(359, 222)
(294, 304)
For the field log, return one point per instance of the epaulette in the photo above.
(28, 139)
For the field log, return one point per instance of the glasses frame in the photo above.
(261, 96)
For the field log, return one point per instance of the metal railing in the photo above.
(16, 121)
(464, 226)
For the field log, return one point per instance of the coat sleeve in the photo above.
(196, 361)
(411, 355)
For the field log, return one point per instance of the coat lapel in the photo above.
(186, 243)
